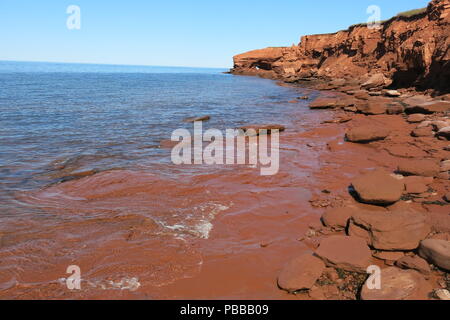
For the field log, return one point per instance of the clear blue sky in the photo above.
(202, 33)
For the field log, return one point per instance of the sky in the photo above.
(195, 33)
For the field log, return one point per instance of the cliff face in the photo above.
(407, 51)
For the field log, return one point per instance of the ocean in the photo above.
(84, 180)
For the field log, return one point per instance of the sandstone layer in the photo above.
(405, 52)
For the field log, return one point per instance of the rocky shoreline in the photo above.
(395, 215)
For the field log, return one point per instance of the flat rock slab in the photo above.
(324, 103)
(429, 107)
(424, 168)
(379, 188)
(197, 119)
(436, 252)
(301, 273)
(397, 284)
(391, 231)
(346, 253)
(366, 134)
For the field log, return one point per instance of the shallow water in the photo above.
(84, 181)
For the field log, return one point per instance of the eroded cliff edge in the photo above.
(406, 52)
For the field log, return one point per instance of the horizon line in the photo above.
(111, 64)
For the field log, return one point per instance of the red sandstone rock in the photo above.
(424, 167)
(337, 218)
(367, 133)
(416, 118)
(429, 107)
(195, 119)
(389, 256)
(373, 108)
(364, 55)
(301, 273)
(423, 132)
(414, 263)
(347, 253)
(397, 284)
(323, 103)
(393, 231)
(378, 187)
(436, 252)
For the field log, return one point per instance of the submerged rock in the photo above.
(196, 119)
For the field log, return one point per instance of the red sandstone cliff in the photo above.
(407, 51)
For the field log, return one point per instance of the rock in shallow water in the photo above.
(346, 253)
(301, 273)
(397, 284)
(378, 187)
(365, 134)
(436, 252)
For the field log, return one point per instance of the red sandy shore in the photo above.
(264, 222)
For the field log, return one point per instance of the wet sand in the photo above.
(115, 225)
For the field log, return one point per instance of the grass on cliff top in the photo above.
(406, 14)
(411, 13)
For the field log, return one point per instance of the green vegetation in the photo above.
(406, 14)
(411, 13)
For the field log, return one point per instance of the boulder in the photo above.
(436, 252)
(414, 263)
(416, 118)
(391, 231)
(301, 273)
(365, 134)
(346, 253)
(378, 187)
(376, 81)
(397, 284)
(422, 167)
(373, 108)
